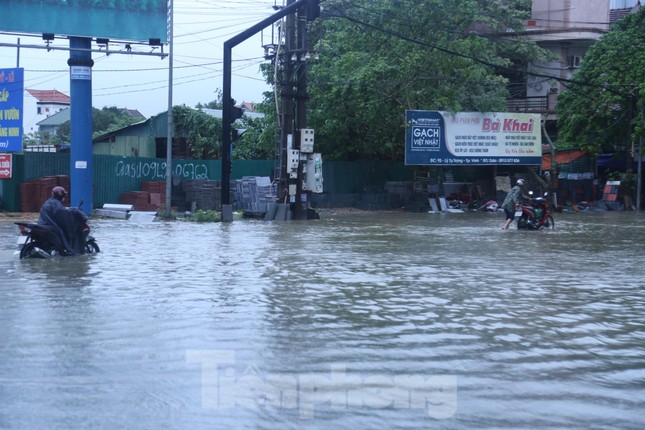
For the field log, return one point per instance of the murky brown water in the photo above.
(382, 320)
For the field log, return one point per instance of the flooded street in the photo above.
(355, 321)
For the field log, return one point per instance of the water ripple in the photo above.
(540, 329)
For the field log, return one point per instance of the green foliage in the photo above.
(104, 121)
(215, 104)
(602, 107)
(379, 58)
(205, 216)
(258, 142)
(202, 131)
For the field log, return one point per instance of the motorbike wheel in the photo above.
(28, 251)
(549, 223)
(92, 247)
(522, 223)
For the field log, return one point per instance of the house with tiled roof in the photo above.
(38, 105)
(49, 125)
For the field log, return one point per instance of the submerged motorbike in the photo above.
(44, 241)
(536, 216)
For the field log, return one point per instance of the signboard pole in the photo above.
(81, 165)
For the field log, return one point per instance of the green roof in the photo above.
(56, 119)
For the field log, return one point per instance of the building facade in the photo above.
(41, 104)
(567, 29)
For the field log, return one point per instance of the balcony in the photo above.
(544, 105)
(536, 104)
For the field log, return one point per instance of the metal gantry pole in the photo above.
(81, 162)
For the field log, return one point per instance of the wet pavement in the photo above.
(357, 320)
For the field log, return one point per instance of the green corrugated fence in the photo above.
(114, 175)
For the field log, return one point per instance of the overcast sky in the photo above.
(140, 82)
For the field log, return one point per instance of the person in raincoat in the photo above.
(515, 196)
(59, 218)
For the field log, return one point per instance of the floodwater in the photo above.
(355, 321)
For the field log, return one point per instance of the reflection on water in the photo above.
(528, 329)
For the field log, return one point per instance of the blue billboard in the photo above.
(472, 138)
(12, 84)
(126, 20)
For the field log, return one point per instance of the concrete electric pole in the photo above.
(289, 173)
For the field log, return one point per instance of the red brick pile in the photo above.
(152, 196)
(36, 192)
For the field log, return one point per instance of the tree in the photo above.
(103, 121)
(259, 139)
(202, 131)
(600, 109)
(215, 104)
(381, 57)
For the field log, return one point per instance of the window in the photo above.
(622, 4)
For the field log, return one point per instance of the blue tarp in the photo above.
(613, 161)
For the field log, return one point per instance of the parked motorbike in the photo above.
(536, 216)
(44, 241)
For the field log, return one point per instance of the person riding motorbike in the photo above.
(515, 196)
(61, 220)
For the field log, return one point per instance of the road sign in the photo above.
(5, 166)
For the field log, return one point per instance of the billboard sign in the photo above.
(136, 21)
(472, 138)
(11, 109)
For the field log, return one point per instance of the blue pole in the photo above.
(81, 166)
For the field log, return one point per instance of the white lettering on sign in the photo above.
(426, 138)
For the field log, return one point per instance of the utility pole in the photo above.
(294, 108)
(287, 89)
(170, 119)
(639, 177)
(300, 206)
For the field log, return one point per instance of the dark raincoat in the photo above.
(64, 222)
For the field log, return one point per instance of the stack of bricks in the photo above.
(140, 200)
(36, 192)
(152, 196)
(157, 192)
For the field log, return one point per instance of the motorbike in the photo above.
(535, 216)
(44, 241)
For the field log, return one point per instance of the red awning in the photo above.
(562, 157)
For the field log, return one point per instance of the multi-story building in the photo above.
(567, 29)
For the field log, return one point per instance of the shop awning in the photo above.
(613, 161)
(562, 157)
